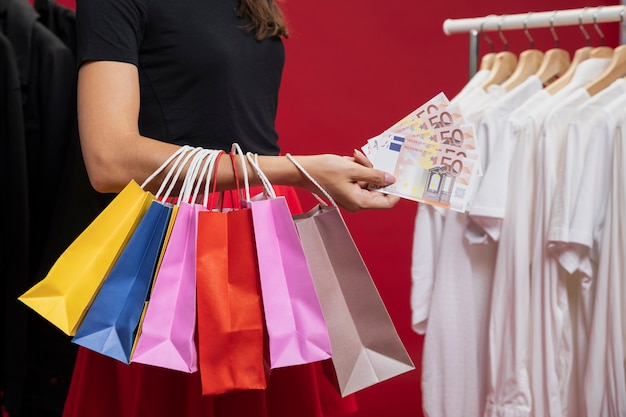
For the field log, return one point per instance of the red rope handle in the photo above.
(217, 162)
(232, 160)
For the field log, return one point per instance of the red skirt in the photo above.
(104, 387)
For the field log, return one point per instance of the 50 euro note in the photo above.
(411, 123)
(463, 136)
(415, 119)
(427, 170)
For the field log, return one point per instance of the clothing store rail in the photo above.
(474, 26)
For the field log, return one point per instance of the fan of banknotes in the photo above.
(433, 154)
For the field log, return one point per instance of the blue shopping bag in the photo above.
(111, 323)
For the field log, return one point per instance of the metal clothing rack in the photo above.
(476, 25)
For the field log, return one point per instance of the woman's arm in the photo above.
(115, 152)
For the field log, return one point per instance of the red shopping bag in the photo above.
(230, 314)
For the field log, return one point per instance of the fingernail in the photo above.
(359, 152)
(389, 178)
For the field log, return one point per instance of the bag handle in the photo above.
(267, 185)
(236, 149)
(194, 172)
(174, 180)
(206, 173)
(317, 184)
(212, 173)
(239, 195)
(180, 152)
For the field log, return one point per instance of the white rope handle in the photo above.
(209, 176)
(191, 169)
(201, 174)
(174, 180)
(193, 173)
(207, 167)
(253, 159)
(178, 154)
(297, 164)
(236, 149)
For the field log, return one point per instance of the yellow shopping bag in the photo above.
(65, 294)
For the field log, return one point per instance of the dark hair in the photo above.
(266, 18)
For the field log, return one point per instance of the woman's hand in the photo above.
(347, 181)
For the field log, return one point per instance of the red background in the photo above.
(354, 67)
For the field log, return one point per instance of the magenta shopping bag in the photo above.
(167, 337)
(293, 315)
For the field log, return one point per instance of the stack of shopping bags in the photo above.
(228, 290)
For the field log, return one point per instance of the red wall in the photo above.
(353, 68)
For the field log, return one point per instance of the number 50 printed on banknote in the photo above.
(434, 160)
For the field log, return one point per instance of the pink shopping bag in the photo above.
(168, 331)
(293, 315)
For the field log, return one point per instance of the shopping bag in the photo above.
(167, 333)
(68, 289)
(230, 315)
(293, 315)
(65, 294)
(110, 324)
(366, 348)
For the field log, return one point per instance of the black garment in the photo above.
(39, 358)
(204, 79)
(14, 230)
(48, 78)
(76, 203)
(59, 20)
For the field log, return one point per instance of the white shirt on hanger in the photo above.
(427, 232)
(487, 207)
(602, 387)
(551, 338)
(508, 393)
(475, 82)
(563, 230)
(509, 390)
(429, 221)
(582, 189)
(451, 375)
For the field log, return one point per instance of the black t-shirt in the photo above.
(205, 80)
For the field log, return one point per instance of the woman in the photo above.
(157, 74)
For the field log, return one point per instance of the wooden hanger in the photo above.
(528, 64)
(489, 58)
(503, 66)
(615, 70)
(504, 63)
(580, 55)
(601, 52)
(556, 62)
(486, 63)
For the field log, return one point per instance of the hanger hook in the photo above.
(582, 28)
(527, 33)
(553, 31)
(504, 41)
(596, 27)
(486, 38)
